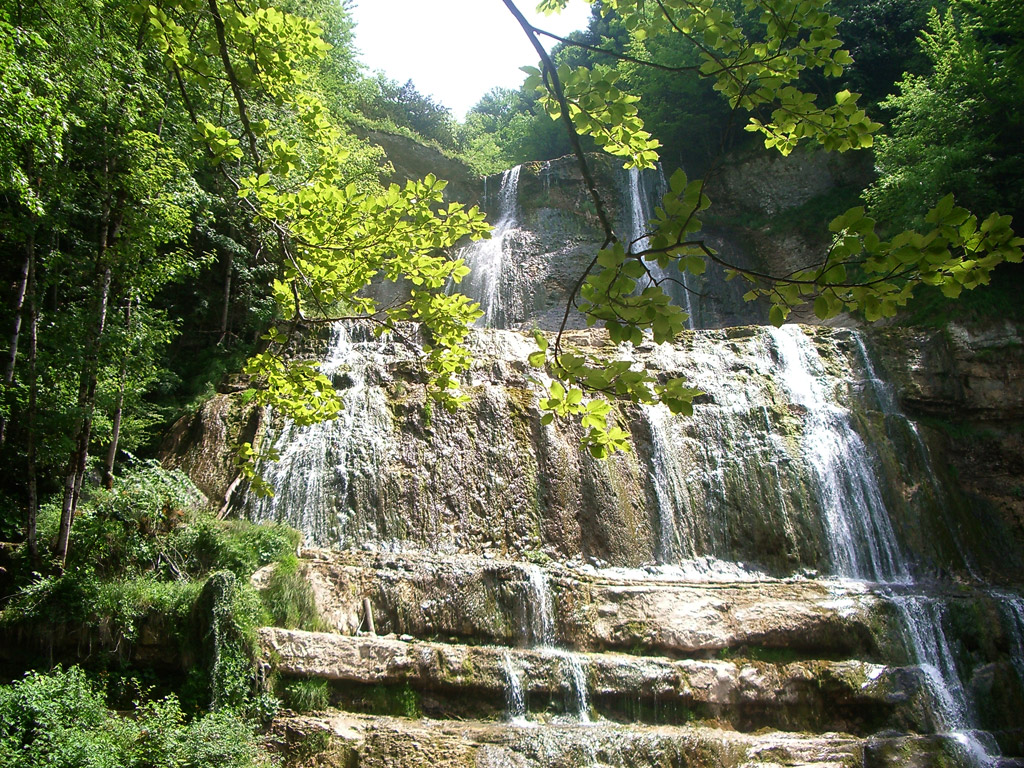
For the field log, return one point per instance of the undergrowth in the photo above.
(148, 567)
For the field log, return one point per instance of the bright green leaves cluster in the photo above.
(335, 233)
(621, 292)
(270, 49)
(626, 298)
(864, 273)
(600, 109)
(32, 92)
(296, 389)
(583, 385)
(754, 70)
(839, 128)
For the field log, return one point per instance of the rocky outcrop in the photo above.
(348, 740)
(465, 680)
(500, 601)
(737, 482)
(411, 159)
(203, 444)
(583, 644)
(964, 385)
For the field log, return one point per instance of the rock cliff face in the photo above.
(821, 567)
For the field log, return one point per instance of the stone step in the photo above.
(517, 603)
(455, 680)
(341, 740)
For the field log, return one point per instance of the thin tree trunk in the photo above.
(225, 312)
(115, 432)
(75, 472)
(30, 449)
(19, 304)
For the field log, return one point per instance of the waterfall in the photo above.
(922, 621)
(670, 489)
(541, 626)
(889, 407)
(515, 698)
(319, 464)
(576, 678)
(641, 192)
(1013, 618)
(490, 281)
(861, 540)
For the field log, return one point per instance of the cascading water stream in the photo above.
(538, 632)
(1013, 619)
(641, 211)
(670, 484)
(886, 398)
(577, 686)
(515, 698)
(487, 259)
(861, 539)
(862, 542)
(922, 622)
(316, 464)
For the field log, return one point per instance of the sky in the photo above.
(454, 50)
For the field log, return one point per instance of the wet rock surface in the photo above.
(821, 567)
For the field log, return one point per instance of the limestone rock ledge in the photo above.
(852, 696)
(496, 601)
(350, 741)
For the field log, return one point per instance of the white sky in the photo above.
(454, 50)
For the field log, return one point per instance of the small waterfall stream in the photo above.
(1013, 619)
(644, 192)
(538, 632)
(861, 539)
(491, 280)
(515, 698)
(318, 464)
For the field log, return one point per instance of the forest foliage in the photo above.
(184, 188)
(184, 191)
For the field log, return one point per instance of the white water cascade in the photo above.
(491, 280)
(922, 620)
(861, 539)
(645, 189)
(576, 678)
(886, 399)
(1013, 619)
(515, 698)
(318, 465)
(540, 627)
(538, 631)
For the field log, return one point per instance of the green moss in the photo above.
(288, 598)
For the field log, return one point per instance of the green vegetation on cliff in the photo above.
(183, 187)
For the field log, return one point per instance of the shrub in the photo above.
(59, 720)
(288, 598)
(307, 695)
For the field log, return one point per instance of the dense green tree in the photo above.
(147, 142)
(959, 127)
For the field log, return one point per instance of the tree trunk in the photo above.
(115, 432)
(30, 448)
(75, 473)
(226, 311)
(19, 304)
